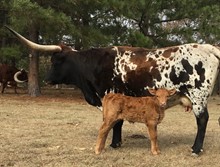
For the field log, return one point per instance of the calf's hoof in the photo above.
(155, 152)
(97, 152)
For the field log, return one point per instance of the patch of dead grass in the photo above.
(60, 129)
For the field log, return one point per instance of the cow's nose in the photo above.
(163, 104)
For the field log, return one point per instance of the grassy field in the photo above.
(59, 129)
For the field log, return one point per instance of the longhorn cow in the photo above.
(190, 68)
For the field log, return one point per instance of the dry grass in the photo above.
(60, 129)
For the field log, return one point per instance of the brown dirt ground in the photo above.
(60, 129)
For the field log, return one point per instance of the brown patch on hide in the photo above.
(167, 52)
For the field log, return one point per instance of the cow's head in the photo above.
(59, 59)
(62, 66)
(21, 76)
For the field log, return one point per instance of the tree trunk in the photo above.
(33, 82)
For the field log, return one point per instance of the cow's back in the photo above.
(7, 72)
(133, 109)
(3, 72)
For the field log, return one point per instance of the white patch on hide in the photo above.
(123, 63)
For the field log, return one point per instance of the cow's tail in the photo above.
(209, 51)
(215, 50)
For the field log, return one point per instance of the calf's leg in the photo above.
(102, 136)
(152, 129)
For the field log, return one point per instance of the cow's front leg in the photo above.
(202, 121)
(4, 84)
(116, 138)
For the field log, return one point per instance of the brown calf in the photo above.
(148, 110)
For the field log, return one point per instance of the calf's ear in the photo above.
(172, 91)
(152, 91)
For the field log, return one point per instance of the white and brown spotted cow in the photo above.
(190, 68)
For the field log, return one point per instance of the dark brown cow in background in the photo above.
(10, 75)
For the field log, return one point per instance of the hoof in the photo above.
(155, 152)
(195, 152)
(97, 150)
(195, 155)
(115, 145)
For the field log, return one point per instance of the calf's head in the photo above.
(161, 95)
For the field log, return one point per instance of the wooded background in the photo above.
(84, 24)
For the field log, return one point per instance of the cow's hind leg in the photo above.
(116, 138)
(202, 121)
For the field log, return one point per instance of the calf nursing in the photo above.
(148, 110)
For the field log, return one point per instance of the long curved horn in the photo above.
(34, 46)
(16, 77)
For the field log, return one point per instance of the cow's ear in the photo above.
(152, 91)
(172, 91)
